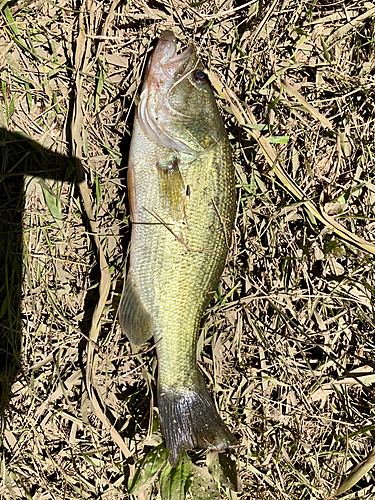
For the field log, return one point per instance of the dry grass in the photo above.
(288, 342)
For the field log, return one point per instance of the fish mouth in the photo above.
(166, 68)
(167, 59)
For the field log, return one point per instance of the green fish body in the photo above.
(182, 201)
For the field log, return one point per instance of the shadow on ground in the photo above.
(20, 156)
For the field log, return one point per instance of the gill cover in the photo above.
(177, 109)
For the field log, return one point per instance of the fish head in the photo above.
(177, 109)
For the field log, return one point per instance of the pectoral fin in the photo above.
(172, 189)
(135, 321)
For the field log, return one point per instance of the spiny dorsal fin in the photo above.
(135, 321)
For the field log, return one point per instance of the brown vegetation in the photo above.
(288, 341)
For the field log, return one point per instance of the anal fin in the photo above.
(135, 321)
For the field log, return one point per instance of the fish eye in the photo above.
(199, 76)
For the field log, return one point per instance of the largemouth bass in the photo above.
(182, 203)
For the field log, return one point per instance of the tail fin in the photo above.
(189, 420)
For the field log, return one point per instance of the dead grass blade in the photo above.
(313, 111)
(356, 475)
(245, 117)
(98, 408)
(81, 58)
(343, 30)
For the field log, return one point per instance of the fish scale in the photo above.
(182, 198)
